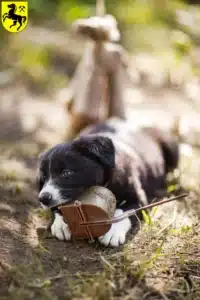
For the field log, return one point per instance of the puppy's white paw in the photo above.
(60, 229)
(117, 234)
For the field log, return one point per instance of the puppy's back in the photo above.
(169, 145)
(138, 138)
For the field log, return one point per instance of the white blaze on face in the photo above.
(50, 188)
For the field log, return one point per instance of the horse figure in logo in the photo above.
(13, 16)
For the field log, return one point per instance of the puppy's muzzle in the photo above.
(45, 198)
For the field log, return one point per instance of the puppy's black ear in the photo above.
(97, 148)
(44, 154)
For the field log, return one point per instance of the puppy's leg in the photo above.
(140, 192)
(117, 234)
(59, 228)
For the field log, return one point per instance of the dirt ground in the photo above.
(161, 259)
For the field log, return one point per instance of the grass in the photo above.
(147, 261)
(156, 263)
(160, 260)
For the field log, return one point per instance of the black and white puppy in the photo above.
(131, 163)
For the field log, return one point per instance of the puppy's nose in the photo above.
(45, 198)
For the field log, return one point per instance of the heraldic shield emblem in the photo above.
(14, 15)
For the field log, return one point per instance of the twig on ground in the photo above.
(5, 266)
(47, 280)
(104, 260)
(170, 223)
(163, 295)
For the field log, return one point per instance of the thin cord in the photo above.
(132, 212)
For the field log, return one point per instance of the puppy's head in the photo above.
(66, 170)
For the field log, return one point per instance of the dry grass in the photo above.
(160, 262)
(161, 259)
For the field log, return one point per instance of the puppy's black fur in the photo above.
(132, 164)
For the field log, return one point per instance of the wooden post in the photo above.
(100, 8)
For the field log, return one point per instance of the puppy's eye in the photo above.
(67, 173)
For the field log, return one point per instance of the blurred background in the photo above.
(161, 36)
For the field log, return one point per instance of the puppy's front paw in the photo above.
(60, 229)
(117, 234)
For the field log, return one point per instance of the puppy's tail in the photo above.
(169, 144)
